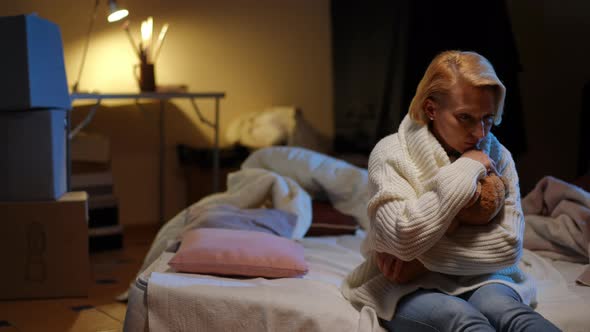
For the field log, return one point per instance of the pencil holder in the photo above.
(145, 76)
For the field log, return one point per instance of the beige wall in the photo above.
(551, 36)
(260, 53)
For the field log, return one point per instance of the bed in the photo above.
(161, 299)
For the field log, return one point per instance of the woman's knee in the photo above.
(506, 312)
(438, 312)
(495, 299)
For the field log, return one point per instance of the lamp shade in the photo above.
(116, 13)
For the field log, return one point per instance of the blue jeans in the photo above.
(493, 307)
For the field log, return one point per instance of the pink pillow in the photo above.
(238, 252)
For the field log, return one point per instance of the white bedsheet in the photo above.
(559, 298)
(311, 303)
(177, 301)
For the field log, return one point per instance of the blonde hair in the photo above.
(447, 69)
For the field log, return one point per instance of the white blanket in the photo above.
(557, 216)
(344, 185)
(254, 188)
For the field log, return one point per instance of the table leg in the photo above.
(216, 149)
(68, 151)
(162, 168)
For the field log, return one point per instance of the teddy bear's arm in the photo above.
(492, 190)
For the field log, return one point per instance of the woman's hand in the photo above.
(483, 158)
(398, 271)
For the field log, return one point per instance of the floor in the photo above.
(112, 271)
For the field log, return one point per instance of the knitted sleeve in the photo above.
(473, 250)
(404, 223)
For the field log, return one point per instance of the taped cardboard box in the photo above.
(44, 248)
(90, 148)
(33, 149)
(32, 64)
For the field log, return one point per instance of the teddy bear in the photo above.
(491, 192)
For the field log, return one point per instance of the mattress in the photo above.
(314, 302)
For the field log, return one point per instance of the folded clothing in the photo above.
(272, 221)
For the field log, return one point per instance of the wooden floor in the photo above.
(112, 271)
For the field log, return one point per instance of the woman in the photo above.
(424, 271)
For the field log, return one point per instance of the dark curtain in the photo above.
(583, 150)
(363, 36)
(417, 30)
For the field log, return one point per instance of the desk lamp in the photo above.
(115, 14)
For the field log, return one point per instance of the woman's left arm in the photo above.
(472, 250)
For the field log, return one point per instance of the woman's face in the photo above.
(464, 118)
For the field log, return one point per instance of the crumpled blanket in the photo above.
(254, 188)
(557, 216)
(267, 220)
(346, 186)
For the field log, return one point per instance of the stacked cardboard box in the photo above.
(44, 248)
(43, 228)
(92, 172)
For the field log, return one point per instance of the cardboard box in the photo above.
(44, 248)
(90, 148)
(33, 150)
(32, 64)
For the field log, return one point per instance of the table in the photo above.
(163, 98)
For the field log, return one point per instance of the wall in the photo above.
(551, 36)
(260, 53)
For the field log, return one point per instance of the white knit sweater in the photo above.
(415, 193)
